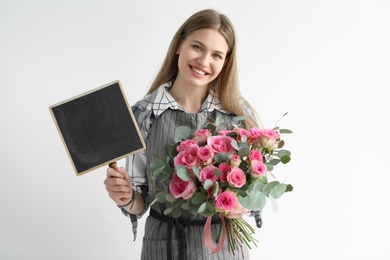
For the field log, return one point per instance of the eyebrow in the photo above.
(216, 51)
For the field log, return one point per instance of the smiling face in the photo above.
(201, 57)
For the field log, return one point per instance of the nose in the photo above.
(202, 61)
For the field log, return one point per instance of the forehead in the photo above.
(210, 38)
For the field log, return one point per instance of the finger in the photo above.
(124, 174)
(112, 172)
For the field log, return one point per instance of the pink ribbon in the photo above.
(208, 240)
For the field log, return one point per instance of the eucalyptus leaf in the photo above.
(289, 188)
(177, 203)
(285, 159)
(198, 198)
(234, 144)
(283, 152)
(244, 138)
(217, 172)
(185, 132)
(270, 167)
(215, 189)
(185, 206)
(207, 184)
(193, 208)
(244, 152)
(221, 157)
(196, 171)
(269, 186)
(254, 201)
(202, 207)
(274, 161)
(167, 211)
(169, 197)
(161, 197)
(278, 191)
(286, 131)
(182, 172)
(176, 212)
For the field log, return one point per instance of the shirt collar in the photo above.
(161, 100)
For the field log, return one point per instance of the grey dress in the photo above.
(159, 234)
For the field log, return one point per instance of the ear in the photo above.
(178, 47)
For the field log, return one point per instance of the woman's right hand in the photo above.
(119, 185)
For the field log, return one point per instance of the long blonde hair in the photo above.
(226, 84)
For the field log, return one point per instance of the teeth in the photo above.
(198, 71)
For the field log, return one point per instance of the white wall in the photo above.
(324, 62)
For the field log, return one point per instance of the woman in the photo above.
(197, 80)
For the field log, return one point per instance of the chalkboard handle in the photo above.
(113, 166)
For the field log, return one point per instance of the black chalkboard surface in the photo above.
(97, 127)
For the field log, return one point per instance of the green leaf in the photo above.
(176, 212)
(182, 172)
(169, 197)
(244, 152)
(285, 159)
(202, 207)
(285, 131)
(185, 132)
(270, 167)
(269, 186)
(243, 145)
(254, 201)
(221, 157)
(282, 153)
(167, 211)
(185, 206)
(289, 188)
(278, 191)
(274, 161)
(157, 166)
(193, 208)
(161, 197)
(217, 172)
(215, 189)
(198, 199)
(234, 144)
(256, 185)
(196, 171)
(232, 134)
(177, 203)
(207, 184)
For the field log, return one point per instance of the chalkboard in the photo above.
(97, 127)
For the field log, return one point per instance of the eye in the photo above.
(197, 47)
(217, 56)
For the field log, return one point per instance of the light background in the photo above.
(326, 63)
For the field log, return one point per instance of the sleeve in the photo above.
(136, 165)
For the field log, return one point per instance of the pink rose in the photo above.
(236, 178)
(207, 173)
(225, 168)
(241, 132)
(269, 138)
(182, 189)
(226, 201)
(255, 135)
(258, 169)
(235, 160)
(201, 135)
(221, 144)
(255, 155)
(188, 158)
(206, 155)
(185, 144)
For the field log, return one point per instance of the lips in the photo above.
(199, 71)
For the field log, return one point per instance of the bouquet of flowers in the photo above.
(218, 167)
